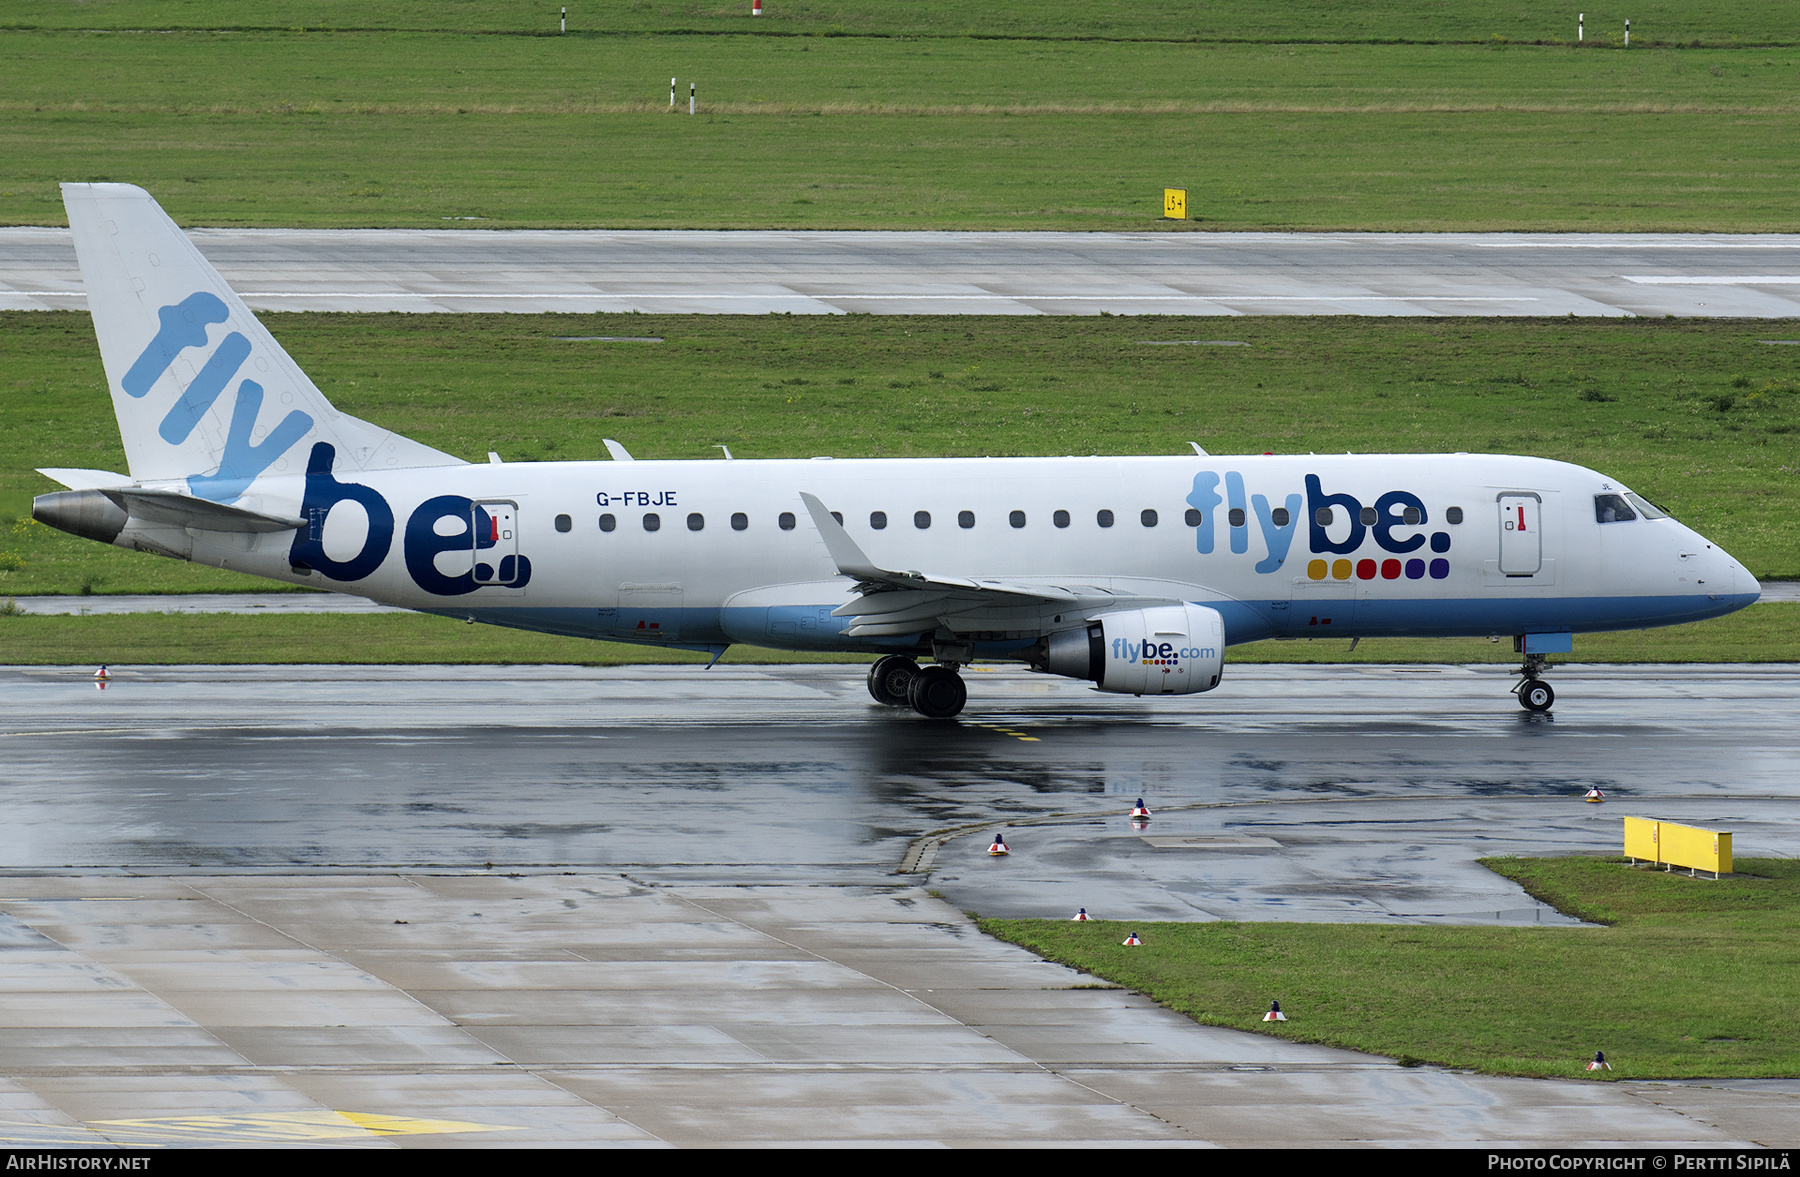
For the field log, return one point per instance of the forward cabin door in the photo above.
(1521, 540)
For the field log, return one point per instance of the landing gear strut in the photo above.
(1533, 692)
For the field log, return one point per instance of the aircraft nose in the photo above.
(1742, 583)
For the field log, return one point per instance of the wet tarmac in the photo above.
(1385, 782)
(506, 906)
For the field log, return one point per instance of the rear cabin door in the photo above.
(495, 527)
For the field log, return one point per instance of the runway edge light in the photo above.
(1274, 1014)
(999, 846)
(1132, 941)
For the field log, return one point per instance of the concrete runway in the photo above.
(500, 906)
(1752, 276)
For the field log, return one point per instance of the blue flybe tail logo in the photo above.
(183, 325)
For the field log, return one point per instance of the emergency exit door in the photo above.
(1521, 541)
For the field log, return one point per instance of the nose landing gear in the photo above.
(1533, 692)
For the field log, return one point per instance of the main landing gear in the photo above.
(936, 692)
(1533, 692)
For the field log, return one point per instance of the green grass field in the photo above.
(1699, 415)
(1765, 633)
(1691, 980)
(952, 130)
(1657, 21)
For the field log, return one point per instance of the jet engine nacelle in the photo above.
(1161, 650)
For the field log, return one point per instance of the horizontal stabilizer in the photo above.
(84, 479)
(180, 510)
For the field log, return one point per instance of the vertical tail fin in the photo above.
(201, 389)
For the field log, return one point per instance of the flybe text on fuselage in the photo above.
(1337, 524)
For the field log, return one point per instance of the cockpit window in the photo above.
(1645, 507)
(1612, 509)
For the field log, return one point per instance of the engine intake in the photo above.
(1161, 650)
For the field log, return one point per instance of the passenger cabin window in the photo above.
(1322, 516)
(786, 521)
(607, 523)
(696, 521)
(1411, 517)
(1452, 514)
(1236, 516)
(1103, 518)
(739, 521)
(965, 519)
(878, 520)
(564, 523)
(1147, 518)
(1279, 516)
(1612, 509)
(921, 519)
(652, 522)
(1369, 516)
(1017, 518)
(1061, 518)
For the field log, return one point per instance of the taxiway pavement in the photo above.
(479, 907)
(773, 272)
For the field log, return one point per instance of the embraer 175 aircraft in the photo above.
(1132, 573)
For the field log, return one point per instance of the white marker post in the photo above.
(1628, 32)
(671, 93)
(565, 21)
(690, 98)
(1580, 26)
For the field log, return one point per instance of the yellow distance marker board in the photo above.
(1672, 845)
(1175, 204)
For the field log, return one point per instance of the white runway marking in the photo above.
(1714, 280)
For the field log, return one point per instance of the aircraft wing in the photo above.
(892, 603)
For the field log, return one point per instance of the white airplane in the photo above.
(1132, 573)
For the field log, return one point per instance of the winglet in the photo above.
(617, 452)
(849, 558)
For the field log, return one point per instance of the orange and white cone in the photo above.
(1599, 1063)
(1274, 1014)
(1594, 795)
(1132, 941)
(1080, 916)
(999, 847)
